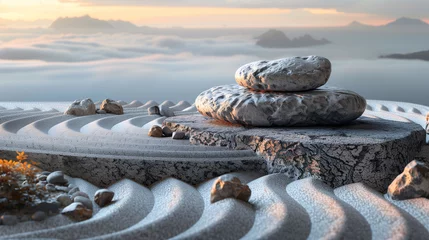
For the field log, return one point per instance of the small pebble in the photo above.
(154, 110)
(57, 178)
(9, 220)
(155, 131)
(42, 177)
(64, 200)
(74, 190)
(39, 216)
(179, 135)
(77, 211)
(50, 187)
(82, 194)
(167, 132)
(62, 188)
(103, 197)
(85, 201)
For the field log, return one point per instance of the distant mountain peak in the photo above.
(83, 22)
(405, 21)
(277, 39)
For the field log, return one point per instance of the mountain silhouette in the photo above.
(423, 55)
(277, 39)
(84, 22)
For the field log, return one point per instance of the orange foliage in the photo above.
(17, 179)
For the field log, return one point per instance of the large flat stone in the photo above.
(237, 104)
(372, 151)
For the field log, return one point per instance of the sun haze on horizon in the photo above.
(211, 13)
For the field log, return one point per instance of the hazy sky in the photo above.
(221, 13)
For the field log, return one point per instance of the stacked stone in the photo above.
(284, 92)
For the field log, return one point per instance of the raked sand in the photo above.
(154, 206)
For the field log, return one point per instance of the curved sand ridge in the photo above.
(277, 208)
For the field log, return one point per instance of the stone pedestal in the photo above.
(372, 151)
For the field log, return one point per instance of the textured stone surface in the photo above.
(154, 110)
(111, 106)
(372, 151)
(166, 131)
(155, 131)
(287, 74)
(56, 178)
(103, 197)
(77, 211)
(81, 108)
(412, 183)
(229, 188)
(236, 104)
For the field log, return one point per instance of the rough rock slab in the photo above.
(287, 74)
(372, 151)
(324, 106)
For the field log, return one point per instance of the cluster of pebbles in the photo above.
(284, 92)
(157, 131)
(58, 196)
(87, 107)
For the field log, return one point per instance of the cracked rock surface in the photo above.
(372, 151)
(287, 74)
(237, 104)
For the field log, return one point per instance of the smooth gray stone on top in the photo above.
(287, 74)
(324, 106)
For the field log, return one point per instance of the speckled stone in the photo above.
(111, 106)
(287, 74)
(103, 197)
(372, 151)
(324, 106)
(85, 201)
(229, 187)
(79, 194)
(412, 183)
(77, 211)
(81, 108)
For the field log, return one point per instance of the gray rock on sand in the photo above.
(287, 74)
(39, 216)
(167, 132)
(50, 187)
(79, 193)
(237, 104)
(178, 135)
(64, 200)
(155, 131)
(77, 211)
(101, 111)
(165, 110)
(413, 182)
(9, 220)
(111, 106)
(73, 190)
(56, 178)
(85, 201)
(103, 197)
(81, 108)
(229, 187)
(154, 110)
